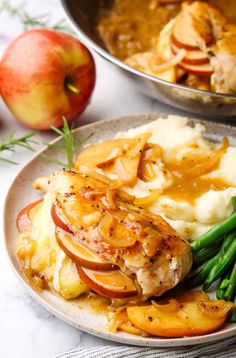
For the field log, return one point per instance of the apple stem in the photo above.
(72, 88)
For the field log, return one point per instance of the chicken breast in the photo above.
(103, 218)
(212, 33)
(224, 61)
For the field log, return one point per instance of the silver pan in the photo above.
(82, 16)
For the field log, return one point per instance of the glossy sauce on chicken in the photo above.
(142, 245)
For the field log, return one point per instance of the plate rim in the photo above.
(115, 337)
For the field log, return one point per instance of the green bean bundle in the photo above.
(215, 253)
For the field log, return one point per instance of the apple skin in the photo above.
(34, 71)
(182, 45)
(25, 216)
(200, 58)
(200, 70)
(100, 288)
(80, 254)
(57, 221)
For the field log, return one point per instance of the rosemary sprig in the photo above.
(29, 22)
(10, 142)
(68, 144)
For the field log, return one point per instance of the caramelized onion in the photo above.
(136, 217)
(174, 61)
(35, 281)
(115, 153)
(152, 153)
(215, 309)
(91, 193)
(128, 327)
(124, 173)
(92, 218)
(114, 233)
(171, 306)
(205, 166)
(147, 200)
(193, 296)
(146, 171)
(125, 196)
(152, 242)
(104, 227)
(111, 198)
(116, 320)
(84, 170)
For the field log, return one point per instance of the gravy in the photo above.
(190, 190)
(133, 26)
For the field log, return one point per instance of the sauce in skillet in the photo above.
(133, 26)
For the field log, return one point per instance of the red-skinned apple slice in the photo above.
(200, 70)
(26, 216)
(80, 253)
(183, 35)
(182, 46)
(57, 221)
(197, 57)
(112, 284)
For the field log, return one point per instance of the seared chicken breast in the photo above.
(105, 220)
(212, 33)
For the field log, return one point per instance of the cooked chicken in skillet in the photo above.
(187, 42)
(215, 37)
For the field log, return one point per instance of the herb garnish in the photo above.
(10, 142)
(29, 22)
(68, 144)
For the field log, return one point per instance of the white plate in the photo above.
(21, 193)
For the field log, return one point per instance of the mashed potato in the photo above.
(177, 140)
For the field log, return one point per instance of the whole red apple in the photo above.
(45, 75)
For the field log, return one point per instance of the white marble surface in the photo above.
(26, 329)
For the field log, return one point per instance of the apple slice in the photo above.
(183, 35)
(57, 221)
(164, 41)
(176, 319)
(114, 284)
(26, 216)
(200, 70)
(102, 154)
(197, 57)
(80, 253)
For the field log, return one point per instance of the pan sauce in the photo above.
(139, 33)
(133, 26)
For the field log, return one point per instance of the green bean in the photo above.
(225, 282)
(233, 201)
(223, 263)
(211, 236)
(201, 276)
(231, 289)
(203, 255)
(222, 286)
(232, 317)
